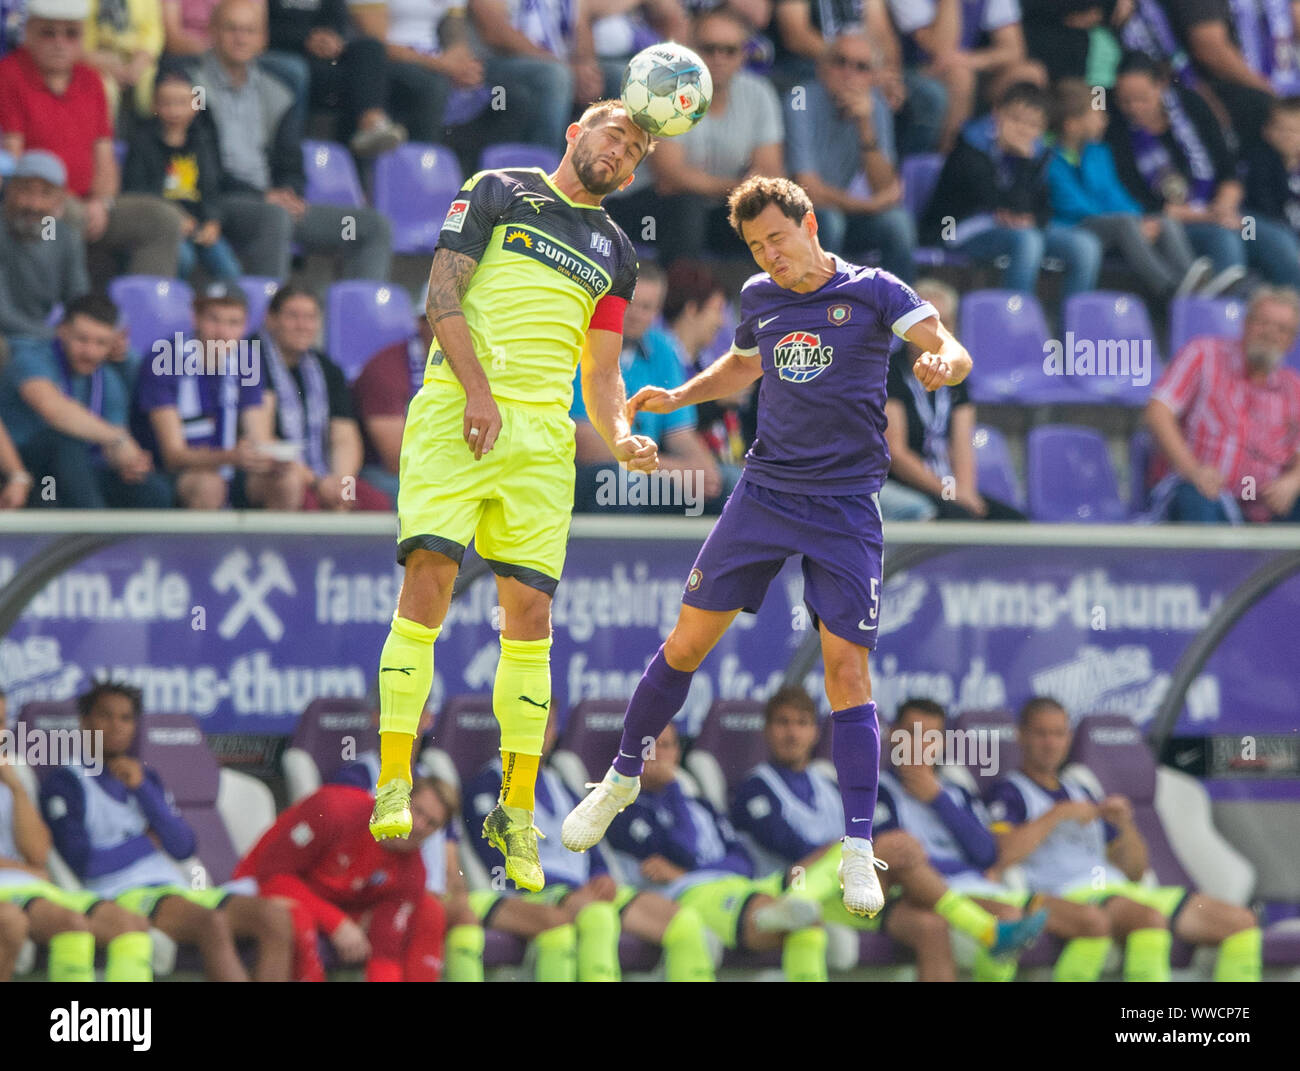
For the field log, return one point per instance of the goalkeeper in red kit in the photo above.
(367, 898)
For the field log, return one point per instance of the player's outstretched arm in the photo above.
(943, 360)
(721, 379)
(602, 390)
(448, 280)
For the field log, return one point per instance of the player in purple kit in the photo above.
(817, 329)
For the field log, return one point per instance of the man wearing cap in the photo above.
(66, 412)
(42, 258)
(51, 100)
(209, 428)
(260, 142)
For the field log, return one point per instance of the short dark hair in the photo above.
(754, 194)
(172, 72)
(602, 109)
(1036, 705)
(1028, 93)
(789, 695)
(1134, 62)
(97, 307)
(922, 706)
(87, 700)
(689, 280)
(287, 293)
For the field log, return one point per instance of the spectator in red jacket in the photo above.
(368, 898)
(50, 99)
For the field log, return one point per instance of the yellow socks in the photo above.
(598, 927)
(130, 958)
(686, 948)
(465, 954)
(557, 954)
(518, 779)
(1146, 955)
(963, 913)
(803, 955)
(521, 700)
(1082, 960)
(72, 957)
(1241, 957)
(405, 677)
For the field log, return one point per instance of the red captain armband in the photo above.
(608, 314)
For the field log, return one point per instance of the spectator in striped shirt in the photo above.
(1226, 416)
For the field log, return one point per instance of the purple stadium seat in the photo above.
(996, 475)
(324, 730)
(1001, 722)
(1190, 317)
(414, 184)
(363, 317)
(47, 716)
(1006, 334)
(155, 308)
(502, 949)
(467, 730)
(592, 732)
(919, 175)
(260, 290)
(518, 154)
(730, 744)
(1070, 476)
(173, 745)
(331, 175)
(1108, 318)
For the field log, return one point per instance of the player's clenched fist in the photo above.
(482, 424)
(639, 453)
(652, 400)
(932, 370)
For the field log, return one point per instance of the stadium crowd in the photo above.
(1037, 144)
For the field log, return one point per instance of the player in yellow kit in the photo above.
(529, 276)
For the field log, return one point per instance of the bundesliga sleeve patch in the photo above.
(456, 214)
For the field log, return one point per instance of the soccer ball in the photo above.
(666, 89)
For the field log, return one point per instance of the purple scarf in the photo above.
(1157, 166)
(1266, 33)
(306, 424)
(1148, 31)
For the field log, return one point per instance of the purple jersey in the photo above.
(821, 402)
(209, 406)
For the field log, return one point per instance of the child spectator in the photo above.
(992, 202)
(174, 157)
(1273, 167)
(1086, 191)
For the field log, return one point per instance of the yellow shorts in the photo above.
(516, 502)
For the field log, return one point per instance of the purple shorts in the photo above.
(839, 537)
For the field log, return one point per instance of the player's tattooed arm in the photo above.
(448, 280)
(943, 360)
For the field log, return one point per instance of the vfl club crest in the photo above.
(693, 581)
(800, 356)
(839, 314)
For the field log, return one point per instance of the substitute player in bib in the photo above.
(530, 275)
(817, 330)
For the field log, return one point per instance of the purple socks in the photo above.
(855, 750)
(659, 695)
